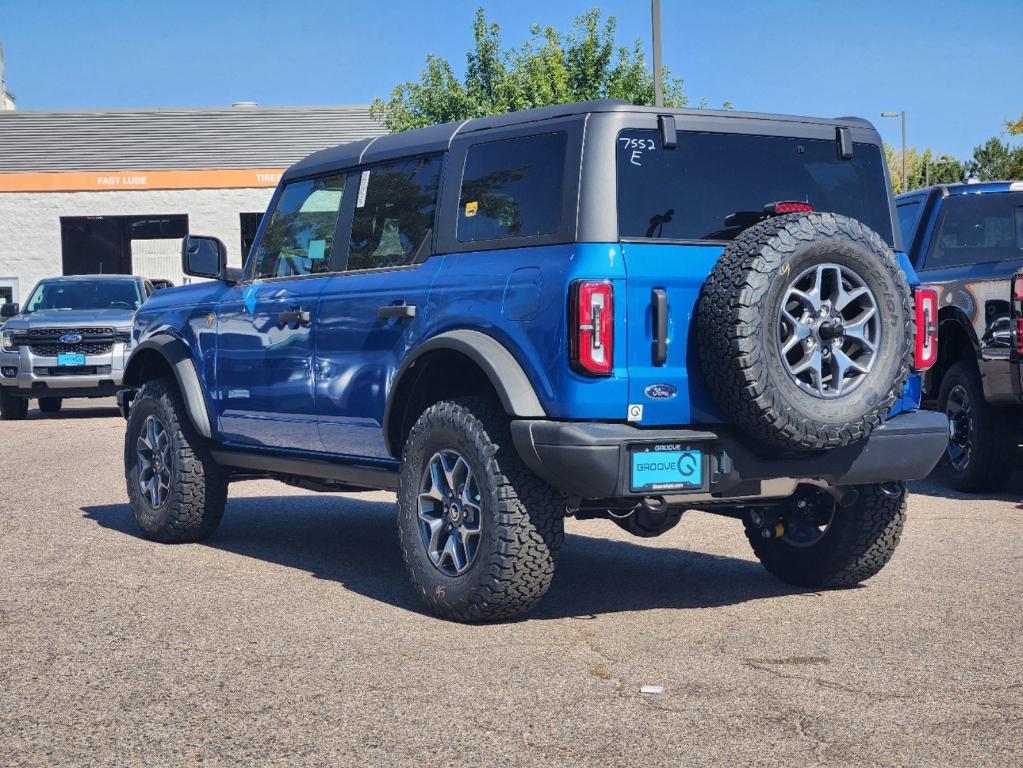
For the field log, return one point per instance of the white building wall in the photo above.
(30, 246)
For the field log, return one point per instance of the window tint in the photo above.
(300, 235)
(393, 213)
(908, 215)
(714, 185)
(512, 188)
(975, 229)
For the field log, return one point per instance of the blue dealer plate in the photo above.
(70, 358)
(667, 468)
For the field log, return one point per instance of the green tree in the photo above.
(996, 160)
(549, 68)
(922, 168)
(1015, 127)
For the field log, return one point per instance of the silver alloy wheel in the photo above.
(829, 330)
(450, 512)
(155, 461)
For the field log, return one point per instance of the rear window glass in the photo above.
(714, 185)
(976, 229)
(512, 188)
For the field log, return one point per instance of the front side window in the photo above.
(394, 213)
(976, 229)
(71, 295)
(712, 186)
(512, 188)
(300, 235)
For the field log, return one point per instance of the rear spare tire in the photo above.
(806, 331)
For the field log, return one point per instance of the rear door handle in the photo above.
(660, 304)
(401, 311)
(294, 317)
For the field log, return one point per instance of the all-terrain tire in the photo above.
(859, 542)
(50, 404)
(738, 320)
(12, 407)
(993, 434)
(197, 490)
(522, 521)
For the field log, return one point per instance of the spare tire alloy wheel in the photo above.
(806, 331)
(450, 512)
(829, 330)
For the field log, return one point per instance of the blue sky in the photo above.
(955, 66)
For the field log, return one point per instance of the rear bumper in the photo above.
(591, 460)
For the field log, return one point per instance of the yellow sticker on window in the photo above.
(471, 208)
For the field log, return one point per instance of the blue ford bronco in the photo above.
(594, 310)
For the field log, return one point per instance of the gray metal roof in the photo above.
(143, 139)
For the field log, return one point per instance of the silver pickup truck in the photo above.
(70, 339)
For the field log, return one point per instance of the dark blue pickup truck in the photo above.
(594, 310)
(966, 241)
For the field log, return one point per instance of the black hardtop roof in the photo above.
(437, 138)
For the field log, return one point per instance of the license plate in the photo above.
(667, 468)
(70, 358)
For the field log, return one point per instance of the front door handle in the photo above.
(294, 317)
(401, 311)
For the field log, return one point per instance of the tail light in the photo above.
(926, 352)
(591, 327)
(1017, 312)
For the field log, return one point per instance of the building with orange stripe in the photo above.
(114, 191)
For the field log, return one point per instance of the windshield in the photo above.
(714, 185)
(57, 295)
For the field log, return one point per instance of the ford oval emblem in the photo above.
(71, 338)
(660, 391)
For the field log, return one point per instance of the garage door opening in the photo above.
(149, 246)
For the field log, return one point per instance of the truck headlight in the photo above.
(7, 342)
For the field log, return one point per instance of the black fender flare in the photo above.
(518, 398)
(178, 357)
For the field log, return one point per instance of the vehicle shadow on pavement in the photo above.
(936, 486)
(353, 542)
(73, 413)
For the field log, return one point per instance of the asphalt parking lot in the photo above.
(292, 637)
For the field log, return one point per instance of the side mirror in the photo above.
(10, 309)
(204, 257)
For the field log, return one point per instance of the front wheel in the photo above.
(813, 541)
(50, 404)
(177, 491)
(479, 532)
(12, 407)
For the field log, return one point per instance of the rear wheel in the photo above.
(50, 404)
(12, 407)
(815, 542)
(983, 443)
(479, 532)
(177, 491)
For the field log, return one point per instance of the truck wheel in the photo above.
(177, 491)
(806, 331)
(12, 407)
(50, 404)
(817, 543)
(982, 448)
(479, 532)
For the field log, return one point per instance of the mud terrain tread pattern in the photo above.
(860, 542)
(529, 515)
(731, 306)
(198, 491)
(994, 456)
(13, 408)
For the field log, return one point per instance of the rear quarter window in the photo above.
(512, 188)
(709, 186)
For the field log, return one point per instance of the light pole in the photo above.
(902, 117)
(655, 22)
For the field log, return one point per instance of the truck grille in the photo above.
(72, 370)
(52, 350)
